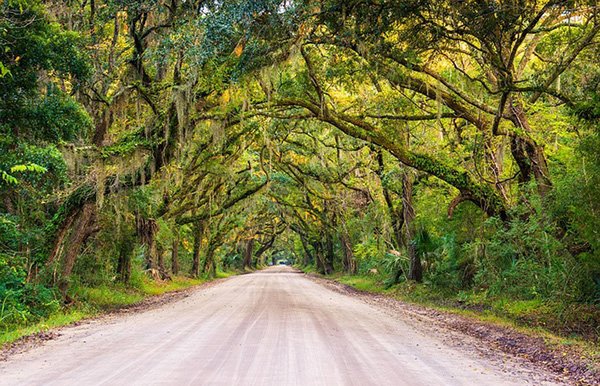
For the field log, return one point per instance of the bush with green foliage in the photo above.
(20, 300)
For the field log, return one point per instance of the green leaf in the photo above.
(3, 70)
(30, 167)
(8, 178)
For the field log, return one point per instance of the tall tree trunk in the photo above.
(349, 261)
(160, 254)
(209, 267)
(308, 257)
(415, 270)
(175, 253)
(82, 229)
(319, 258)
(529, 155)
(147, 229)
(126, 247)
(248, 254)
(60, 238)
(329, 254)
(198, 232)
(396, 217)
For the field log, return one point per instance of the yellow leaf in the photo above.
(239, 48)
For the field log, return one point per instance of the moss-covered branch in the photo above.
(481, 194)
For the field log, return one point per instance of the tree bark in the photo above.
(329, 254)
(82, 229)
(319, 258)
(263, 248)
(349, 261)
(529, 155)
(248, 254)
(60, 237)
(124, 261)
(198, 231)
(160, 254)
(415, 270)
(175, 253)
(396, 218)
(147, 229)
(209, 267)
(308, 257)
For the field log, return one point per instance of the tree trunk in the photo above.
(198, 231)
(396, 218)
(126, 247)
(319, 258)
(60, 237)
(263, 248)
(82, 229)
(175, 253)
(209, 267)
(329, 254)
(529, 155)
(530, 159)
(248, 254)
(415, 270)
(349, 261)
(147, 229)
(124, 266)
(160, 254)
(308, 257)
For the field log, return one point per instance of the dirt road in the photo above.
(273, 327)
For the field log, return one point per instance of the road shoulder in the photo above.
(487, 339)
(30, 341)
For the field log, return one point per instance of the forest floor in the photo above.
(576, 359)
(277, 327)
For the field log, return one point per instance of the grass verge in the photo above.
(533, 317)
(94, 301)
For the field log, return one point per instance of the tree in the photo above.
(436, 141)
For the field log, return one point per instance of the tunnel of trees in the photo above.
(449, 145)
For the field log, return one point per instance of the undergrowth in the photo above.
(567, 321)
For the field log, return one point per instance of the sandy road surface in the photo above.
(273, 327)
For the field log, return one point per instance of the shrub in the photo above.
(21, 301)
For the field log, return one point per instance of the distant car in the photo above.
(282, 263)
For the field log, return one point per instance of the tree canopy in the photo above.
(449, 143)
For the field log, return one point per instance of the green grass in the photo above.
(363, 283)
(92, 301)
(306, 269)
(107, 298)
(150, 287)
(532, 317)
(225, 274)
(60, 318)
(568, 320)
